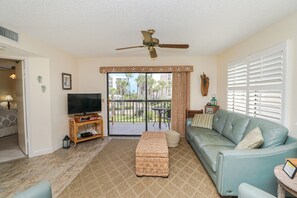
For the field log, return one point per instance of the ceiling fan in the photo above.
(151, 43)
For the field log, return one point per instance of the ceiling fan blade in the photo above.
(153, 53)
(130, 47)
(182, 46)
(147, 36)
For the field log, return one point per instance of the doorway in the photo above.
(138, 102)
(13, 141)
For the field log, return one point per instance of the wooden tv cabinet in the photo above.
(94, 120)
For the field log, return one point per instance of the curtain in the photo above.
(180, 101)
(139, 69)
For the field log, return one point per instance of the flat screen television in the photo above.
(84, 103)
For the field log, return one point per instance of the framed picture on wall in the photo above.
(66, 81)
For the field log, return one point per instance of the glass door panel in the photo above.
(159, 90)
(126, 103)
(138, 102)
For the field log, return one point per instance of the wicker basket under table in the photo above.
(152, 158)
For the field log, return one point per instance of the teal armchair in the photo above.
(41, 190)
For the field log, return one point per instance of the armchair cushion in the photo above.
(247, 191)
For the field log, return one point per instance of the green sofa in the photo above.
(228, 168)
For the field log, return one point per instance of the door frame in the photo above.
(25, 82)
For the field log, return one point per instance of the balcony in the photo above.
(128, 117)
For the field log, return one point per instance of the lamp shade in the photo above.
(8, 98)
(12, 76)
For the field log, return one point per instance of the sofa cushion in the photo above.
(219, 120)
(252, 140)
(274, 134)
(235, 127)
(211, 137)
(210, 152)
(192, 131)
(202, 120)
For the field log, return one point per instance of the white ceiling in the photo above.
(89, 28)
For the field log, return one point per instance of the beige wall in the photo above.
(48, 119)
(90, 80)
(39, 113)
(282, 31)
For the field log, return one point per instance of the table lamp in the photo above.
(8, 98)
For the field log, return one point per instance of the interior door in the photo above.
(20, 99)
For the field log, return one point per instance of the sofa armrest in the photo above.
(254, 166)
(248, 191)
(42, 189)
(189, 122)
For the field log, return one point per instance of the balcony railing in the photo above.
(134, 110)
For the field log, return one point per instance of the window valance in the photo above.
(139, 69)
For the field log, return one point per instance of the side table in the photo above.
(285, 183)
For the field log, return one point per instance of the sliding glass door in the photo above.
(138, 102)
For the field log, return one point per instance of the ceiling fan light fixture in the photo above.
(150, 48)
(152, 31)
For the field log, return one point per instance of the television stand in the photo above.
(86, 117)
(76, 122)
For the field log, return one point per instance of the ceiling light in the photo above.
(12, 76)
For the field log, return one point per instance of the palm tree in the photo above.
(162, 84)
(156, 90)
(150, 85)
(122, 87)
(128, 76)
(140, 80)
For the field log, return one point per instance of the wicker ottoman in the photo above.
(152, 158)
(173, 138)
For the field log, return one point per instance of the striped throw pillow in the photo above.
(202, 120)
(252, 140)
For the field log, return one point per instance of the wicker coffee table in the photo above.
(152, 158)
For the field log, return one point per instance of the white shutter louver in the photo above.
(237, 84)
(255, 87)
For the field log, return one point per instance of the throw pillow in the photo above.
(202, 120)
(252, 140)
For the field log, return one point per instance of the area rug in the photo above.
(111, 174)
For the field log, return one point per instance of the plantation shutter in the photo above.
(256, 85)
(266, 86)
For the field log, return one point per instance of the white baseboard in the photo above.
(57, 146)
(41, 152)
